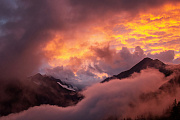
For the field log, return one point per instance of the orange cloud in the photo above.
(155, 30)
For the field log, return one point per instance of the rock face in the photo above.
(17, 96)
(145, 63)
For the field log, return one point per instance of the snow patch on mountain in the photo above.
(66, 87)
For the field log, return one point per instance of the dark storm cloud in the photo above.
(104, 6)
(25, 27)
(5, 11)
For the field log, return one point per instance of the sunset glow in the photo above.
(155, 30)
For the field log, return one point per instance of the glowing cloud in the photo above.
(155, 30)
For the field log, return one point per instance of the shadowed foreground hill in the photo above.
(17, 96)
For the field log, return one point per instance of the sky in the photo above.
(84, 41)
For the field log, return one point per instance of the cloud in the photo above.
(60, 72)
(119, 98)
(25, 29)
(81, 79)
(104, 53)
(27, 26)
(100, 7)
(166, 56)
(124, 59)
(121, 29)
(176, 61)
(117, 62)
(103, 63)
(115, 11)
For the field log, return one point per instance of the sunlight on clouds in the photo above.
(62, 51)
(155, 30)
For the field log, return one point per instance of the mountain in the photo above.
(38, 78)
(19, 95)
(170, 87)
(145, 63)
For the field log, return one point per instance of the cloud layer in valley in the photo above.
(117, 98)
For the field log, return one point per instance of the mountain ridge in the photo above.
(143, 64)
(41, 77)
(35, 91)
(42, 89)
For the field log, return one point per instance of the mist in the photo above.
(117, 98)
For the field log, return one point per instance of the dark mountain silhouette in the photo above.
(38, 77)
(145, 63)
(17, 96)
(169, 88)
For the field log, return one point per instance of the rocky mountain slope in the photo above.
(17, 96)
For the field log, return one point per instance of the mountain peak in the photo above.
(148, 62)
(143, 64)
